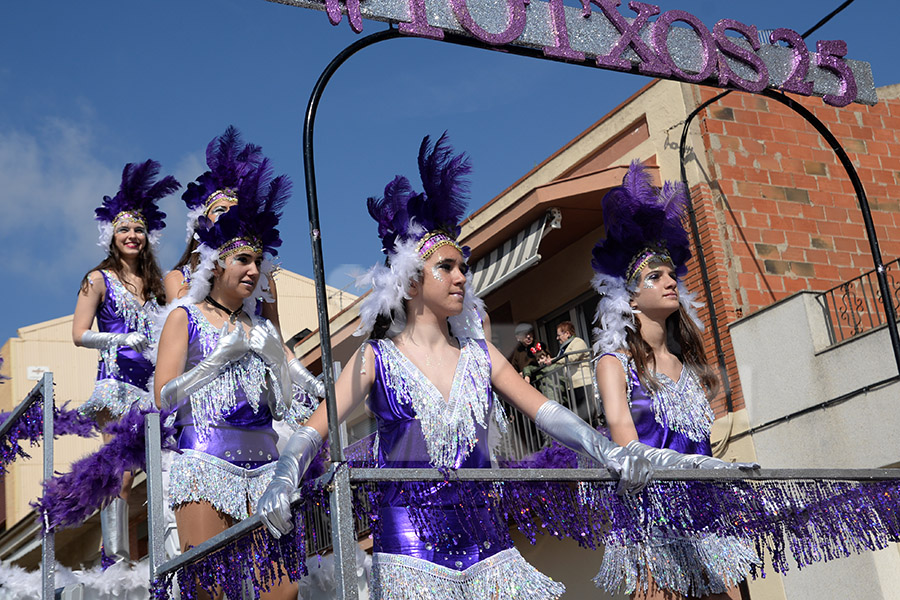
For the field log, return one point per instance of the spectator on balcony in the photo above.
(524, 354)
(575, 355)
(655, 383)
(548, 377)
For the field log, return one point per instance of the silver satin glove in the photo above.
(102, 340)
(305, 380)
(666, 458)
(568, 429)
(265, 341)
(231, 347)
(274, 506)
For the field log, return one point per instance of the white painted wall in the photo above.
(785, 365)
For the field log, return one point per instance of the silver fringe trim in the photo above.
(196, 476)
(135, 316)
(681, 406)
(503, 576)
(690, 567)
(447, 425)
(218, 396)
(116, 397)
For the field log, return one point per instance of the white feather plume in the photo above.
(614, 313)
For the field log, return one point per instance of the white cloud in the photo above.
(343, 277)
(53, 180)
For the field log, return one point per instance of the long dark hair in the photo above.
(189, 256)
(146, 267)
(683, 339)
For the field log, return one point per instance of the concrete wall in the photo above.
(786, 366)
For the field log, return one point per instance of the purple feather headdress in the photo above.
(252, 223)
(643, 225)
(230, 161)
(136, 201)
(411, 226)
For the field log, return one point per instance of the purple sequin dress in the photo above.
(448, 545)
(225, 435)
(677, 416)
(123, 374)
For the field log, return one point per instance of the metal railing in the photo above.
(568, 380)
(41, 392)
(856, 306)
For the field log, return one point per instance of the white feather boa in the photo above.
(390, 287)
(118, 582)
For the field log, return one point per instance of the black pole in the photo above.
(312, 201)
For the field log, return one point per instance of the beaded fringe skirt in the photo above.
(116, 397)
(693, 567)
(503, 576)
(196, 476)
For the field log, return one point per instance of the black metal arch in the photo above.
(884, 288)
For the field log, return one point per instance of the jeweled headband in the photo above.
(237, 244)
(129, 217)
(643, 258)
(433, 240)
(227, 194)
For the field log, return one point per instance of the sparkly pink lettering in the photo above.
(828, 56)
(630, 35)
(727, 47)
(560, 47)
(333, 9)
(515, 24)
(418, 24)
(659, 33)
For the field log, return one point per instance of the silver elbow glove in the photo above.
(101, 340)
(274, 506)
(231, 347)
(666, 458)
(265, 341)
(568, 429)
(305, 380)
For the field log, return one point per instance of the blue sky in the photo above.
(87, 86)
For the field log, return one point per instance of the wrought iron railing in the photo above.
(856, 306)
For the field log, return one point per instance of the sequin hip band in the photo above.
(116, 397)
(503, 576)
(694, 567)
(197, 476)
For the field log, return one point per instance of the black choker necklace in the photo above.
(232, 314)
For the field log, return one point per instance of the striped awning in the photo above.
(515, 255)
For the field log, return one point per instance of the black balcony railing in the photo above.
(856, 306)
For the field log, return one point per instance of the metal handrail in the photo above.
(363, 475)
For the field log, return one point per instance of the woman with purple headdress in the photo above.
(213, 194)
(223, 370)
(123, 293)
(655, 383)
(429, 376)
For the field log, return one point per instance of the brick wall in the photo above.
(780, 214)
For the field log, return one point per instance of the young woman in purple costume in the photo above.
(223, 370)
(655, 383)
(429, 375)
(123, 294)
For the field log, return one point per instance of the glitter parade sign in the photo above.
(675, 45)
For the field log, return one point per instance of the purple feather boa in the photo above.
(30, 427)
(96, 479)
